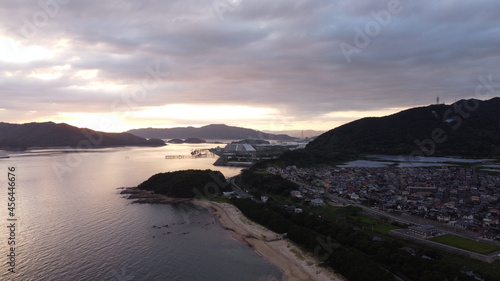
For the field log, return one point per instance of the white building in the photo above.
(317, 202)
(239, 149)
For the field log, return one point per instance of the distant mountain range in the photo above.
(50, 134)
(465, 128)
(214, 132)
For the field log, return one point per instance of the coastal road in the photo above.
(238, 190)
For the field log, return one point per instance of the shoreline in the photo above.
(149, 197)
(295, 264)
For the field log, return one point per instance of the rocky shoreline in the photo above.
(140, 196)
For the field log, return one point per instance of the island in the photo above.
(188, 140)
(18, 137)
(194, 140)
(176, 141)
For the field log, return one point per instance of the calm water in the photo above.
(404, 161)
(73, 225)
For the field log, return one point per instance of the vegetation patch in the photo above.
(334, 212)
(385, 228)
(298, 254)
(489, 271)
(265, 182)
(465, 244)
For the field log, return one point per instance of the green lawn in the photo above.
(333, 212)
(366, 220)
(385, 228)
(466, 244)
(358, 219)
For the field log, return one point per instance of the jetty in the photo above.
(195, 153)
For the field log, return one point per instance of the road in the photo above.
(368, 209)
(404, 220)
(238, 190)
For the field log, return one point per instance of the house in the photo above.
(422, 190)
(466, 225)
(354, 196)
(296, 194)
(423, 231)
(317, 202)
(443, 218)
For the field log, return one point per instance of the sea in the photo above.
(70, 222)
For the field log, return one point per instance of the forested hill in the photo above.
(465, 128)
(186, 183)
(214, 131)
(49, 134)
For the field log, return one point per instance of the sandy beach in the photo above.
(293, 262)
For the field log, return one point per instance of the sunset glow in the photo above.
(313, 65)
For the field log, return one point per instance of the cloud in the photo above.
(281, 55)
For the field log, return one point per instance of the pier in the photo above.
(195, 153)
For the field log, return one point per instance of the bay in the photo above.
(72, 223)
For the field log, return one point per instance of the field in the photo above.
(466, 244)
(385, 228)
(336, 212)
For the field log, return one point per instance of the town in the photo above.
(456, 196)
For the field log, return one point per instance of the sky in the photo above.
(268, 65)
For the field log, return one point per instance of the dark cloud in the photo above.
(273, 54)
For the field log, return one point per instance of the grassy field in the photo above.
(336, 212)
(492, 269)
(466, 244)
(356, 217)
(385, 228)
(366, 220)
(379, 226)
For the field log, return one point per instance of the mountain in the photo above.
(50, 134)
(214, 131)
(466, 128)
